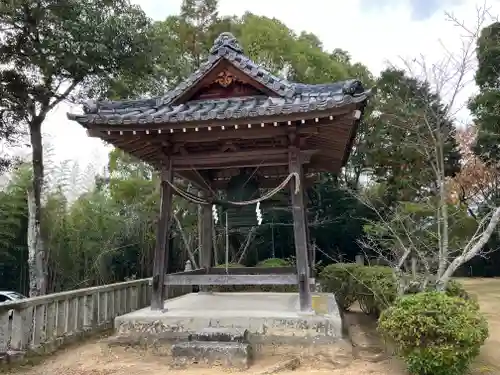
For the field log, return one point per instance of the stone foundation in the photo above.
(264, 315)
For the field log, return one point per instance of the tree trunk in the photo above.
(246, 246)
(185, 241)
(31, 244)
(471, 250)
(40, 261)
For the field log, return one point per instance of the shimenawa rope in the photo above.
(270, 194)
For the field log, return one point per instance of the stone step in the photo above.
(227, 354)
(221, 335)
(144, 339)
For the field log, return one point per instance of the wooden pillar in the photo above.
(310, 249)
(299, 231)
(206, 223)
(162, 235)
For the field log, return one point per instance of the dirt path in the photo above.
(488, 293)
(99, 359)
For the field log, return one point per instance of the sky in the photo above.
(375, 32)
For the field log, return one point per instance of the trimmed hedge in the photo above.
(434, 333)
(273, 262)
(338, 279)
(373, 287)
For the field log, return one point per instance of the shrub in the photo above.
(434, 333)
(273, 262)
(339, 279)
(456, 289)
(375, 288)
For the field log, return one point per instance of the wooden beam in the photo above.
(299, 230)
(267, 129)
(283, 279)
(195, 178)
(198, 271)
(214, 135)
(215, 160)
(251, 270)
(214, 271)
(162, 243)
(223, 156)
(257, 120)
(229, 164)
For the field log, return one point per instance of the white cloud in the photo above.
(372, 37)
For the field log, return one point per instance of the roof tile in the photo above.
(293, 97)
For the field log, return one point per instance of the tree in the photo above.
(54, 51)
(427, 132)
(486, 105)
(13, 225)
(404, 139)
(477, 183)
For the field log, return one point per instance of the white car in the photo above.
(10, 296)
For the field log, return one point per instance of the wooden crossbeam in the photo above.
(233, 271)
(251, 270)
(283, 279)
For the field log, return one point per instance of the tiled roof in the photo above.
(227, 47)
(291, 97)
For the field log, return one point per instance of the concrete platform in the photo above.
(269, 317)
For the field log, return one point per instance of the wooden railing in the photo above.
(42, 324)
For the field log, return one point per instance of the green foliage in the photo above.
(65, 50)
(338, 216)
(410, 117)
(74, 42)
(185, 39)
(273, 262)
(373, 287)
(339, 279)
(455, 288)
(486, 104)
(434, 333)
